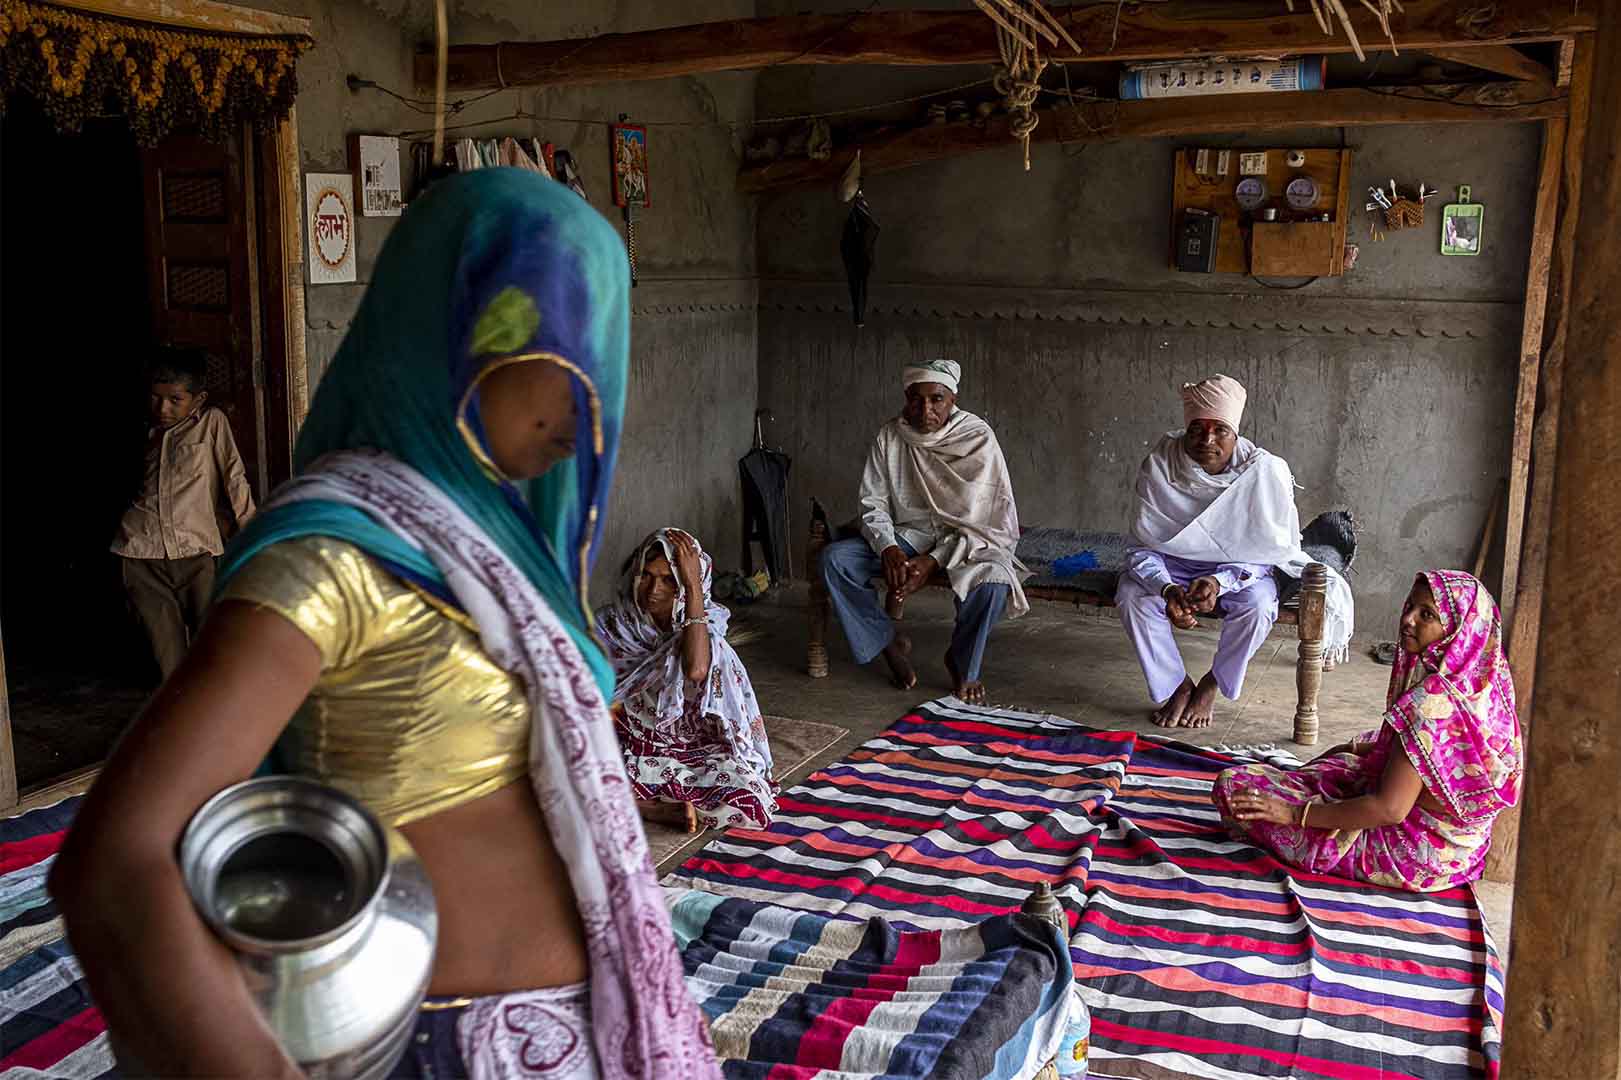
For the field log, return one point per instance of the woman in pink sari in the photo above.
(1410, 805)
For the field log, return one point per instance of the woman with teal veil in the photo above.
(407, 621)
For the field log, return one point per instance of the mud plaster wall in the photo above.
(693, 331)
(1389, 390)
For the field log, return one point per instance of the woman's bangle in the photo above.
(698, 620)
(1305, 808)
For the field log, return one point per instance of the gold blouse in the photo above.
(409, 715)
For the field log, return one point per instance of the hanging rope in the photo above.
(1021, 26)
(441, 26)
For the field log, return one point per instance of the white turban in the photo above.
(1216, 398)
(948, 373)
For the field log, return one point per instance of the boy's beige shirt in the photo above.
(193, 475)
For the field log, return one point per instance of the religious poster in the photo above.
(329, 200)
(630, 166)
(377, 166)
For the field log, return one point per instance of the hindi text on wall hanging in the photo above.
(330, 209)
(78, 64)
(376, 161)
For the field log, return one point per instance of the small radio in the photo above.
(1196, 241)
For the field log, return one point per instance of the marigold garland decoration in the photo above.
(80, 65)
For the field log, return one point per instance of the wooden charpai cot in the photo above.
(1304, 610)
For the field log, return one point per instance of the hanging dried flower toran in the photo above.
(79, 65)
(1381, 9)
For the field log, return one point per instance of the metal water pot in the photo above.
(329, 911)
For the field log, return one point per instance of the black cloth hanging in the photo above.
(765, 508)
(858, 245)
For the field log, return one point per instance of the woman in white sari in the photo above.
(688, 723)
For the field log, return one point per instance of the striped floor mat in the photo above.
(48, 1026)
(1198, 955)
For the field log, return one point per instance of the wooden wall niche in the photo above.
(1292, 246)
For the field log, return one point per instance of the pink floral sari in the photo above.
(1450, 709)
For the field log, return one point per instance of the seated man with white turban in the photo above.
(1215, 515)
(935, 495)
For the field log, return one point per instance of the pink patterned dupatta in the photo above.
(1452, 706)
(645, 1024)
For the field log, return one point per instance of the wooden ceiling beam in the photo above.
(1168, 31)
(1186, 116)
(1499, 59)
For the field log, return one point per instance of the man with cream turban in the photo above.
(935, 495)
(1215, 515)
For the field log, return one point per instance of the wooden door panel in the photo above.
(200, 273)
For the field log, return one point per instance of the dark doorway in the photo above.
(104, 249)
(75, 322)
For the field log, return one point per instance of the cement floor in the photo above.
(66, 720)
(1070, 661)
(1061, 659)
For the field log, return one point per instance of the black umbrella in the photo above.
(858, 244)
(765, 508)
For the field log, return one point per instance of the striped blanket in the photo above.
(48, 1027)
(789, 994)
(1198, 956)
(778, 986)
(951, 815)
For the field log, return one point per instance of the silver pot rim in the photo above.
(200, 864)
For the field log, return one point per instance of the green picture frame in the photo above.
(1463, 226)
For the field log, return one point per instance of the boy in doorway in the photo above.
(193, 483)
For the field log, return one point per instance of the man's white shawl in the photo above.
(957, 477)
(1244, 515)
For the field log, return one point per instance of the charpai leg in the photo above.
(1309, 667)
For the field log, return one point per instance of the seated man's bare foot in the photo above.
(679, 815)
(1202, 705)
(898, 655)
(970, 692)
(1170, 713)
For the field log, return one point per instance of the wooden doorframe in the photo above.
(277, 231)
(1562, 1013)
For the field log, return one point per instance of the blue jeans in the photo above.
(434, 1052)
(848, 568)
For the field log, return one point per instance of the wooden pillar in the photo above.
(1309, 667)
(1564, 1011)
(818, 610)
(1523, 633)
(1525, 398)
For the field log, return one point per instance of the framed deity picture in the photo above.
(629, 145)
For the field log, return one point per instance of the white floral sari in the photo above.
(698, 742)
